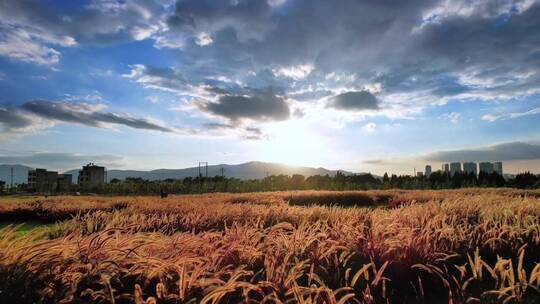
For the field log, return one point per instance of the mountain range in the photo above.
(249, 170)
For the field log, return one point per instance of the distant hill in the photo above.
(250, 170)
(20, 173)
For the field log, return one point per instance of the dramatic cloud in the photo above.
(412, 55)
(356, 101)
(218, 96)
(422, 53)
(177, 82)
(501, 152)
(419, 53)
(61, 160)
(258, 106)
(27, 115)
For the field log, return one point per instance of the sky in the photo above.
(366, 86)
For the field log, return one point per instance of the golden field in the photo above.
(455, 246)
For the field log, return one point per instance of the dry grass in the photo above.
(466, 246)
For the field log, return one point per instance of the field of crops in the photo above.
(461, 246)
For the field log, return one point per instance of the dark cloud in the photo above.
(77, 113)
(356, 101)
(13, 119)
(87, 115)
(60, 160)
(249, 19)
(259, 105)
(501, 152)
(428, 52)
(218, 126)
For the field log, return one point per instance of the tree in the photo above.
(297, 181)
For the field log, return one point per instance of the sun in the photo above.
(293, 143)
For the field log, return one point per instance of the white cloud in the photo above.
(295, 72)
(141, 33)
(275, 3)
(373, 88)
(170, 42)
(452, 117)
(94, 98)
(494, 117)
(204, 39)
(19, 44)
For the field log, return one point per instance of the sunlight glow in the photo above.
(294, 143)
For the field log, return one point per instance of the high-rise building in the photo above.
(428, 170)
(445, 168)
(91, 176)
(470, 167)
(485, 167)
(419, 174)
(455, 168)
(498, 167)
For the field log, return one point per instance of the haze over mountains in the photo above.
(249, 170)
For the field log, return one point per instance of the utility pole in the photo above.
(200, 175)
(11, 177)
(222, 172)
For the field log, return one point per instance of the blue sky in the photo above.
(359, 85)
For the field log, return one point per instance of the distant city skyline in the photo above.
(363, 86)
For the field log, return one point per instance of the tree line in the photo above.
(191, 185)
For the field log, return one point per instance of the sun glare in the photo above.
(293, 143)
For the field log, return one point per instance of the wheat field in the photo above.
(459, 246)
